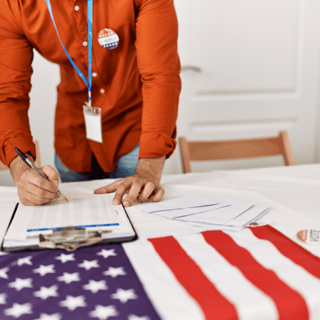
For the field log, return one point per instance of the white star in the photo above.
(124, 295)
(95, 286)
(19, 284)
(25, 260)
(103, 313)
(114, 272)
(45, 293)
(3, 298)
(3, 273)
(65, 257)
(54, 316)
(73, 303)
(69, 277)
(107, 253)
(134, 317)
(43, 270)
(18, 310)
(89, 264)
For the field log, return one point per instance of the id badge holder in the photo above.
(92, 118)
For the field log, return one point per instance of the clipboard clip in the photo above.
(70, 238)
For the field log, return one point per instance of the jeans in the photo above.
(126, 166)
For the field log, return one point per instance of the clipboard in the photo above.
(67, 237)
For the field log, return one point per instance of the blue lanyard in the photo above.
(89, 82)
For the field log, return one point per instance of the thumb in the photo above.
(51, 174)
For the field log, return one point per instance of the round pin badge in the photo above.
(108, 39)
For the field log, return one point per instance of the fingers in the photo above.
(50, 173)
(137, 189)
(112, 187)
(33, 189)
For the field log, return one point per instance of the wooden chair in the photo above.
(37, 162)
(235, 149)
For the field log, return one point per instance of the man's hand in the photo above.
(34, 190)
(143, 185)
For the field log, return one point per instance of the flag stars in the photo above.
(107, 253)
(95, 286)
(44, 293)
(43, 270)
(19, 284)
(25, 260)
(3, 273)
(18, 310)
(66, 257)
(124, 295)
(89, 264)
(54, 316)
(134, 317)
(103, 312)
(69, 277)
(114, 272)
(73, 303)
(3, 298)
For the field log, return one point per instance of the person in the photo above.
(135, 85)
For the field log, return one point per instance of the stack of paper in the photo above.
(202, 212)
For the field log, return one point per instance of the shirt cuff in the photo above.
(8, 153)
(156, 145)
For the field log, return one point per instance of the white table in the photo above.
(291, 193)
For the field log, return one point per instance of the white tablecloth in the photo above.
(180, 290)
(292, 194)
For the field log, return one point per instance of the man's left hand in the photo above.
(143, 185)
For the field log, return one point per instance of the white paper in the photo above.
(180, 213)
(83, 210)
(184, 202)
(219, 216)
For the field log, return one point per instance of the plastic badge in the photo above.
(92, 117)
(309, 236)
(108, 39)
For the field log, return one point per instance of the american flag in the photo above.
(254, 274)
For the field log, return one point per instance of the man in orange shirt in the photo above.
(135, 85)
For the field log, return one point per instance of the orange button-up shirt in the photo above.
(137, 85)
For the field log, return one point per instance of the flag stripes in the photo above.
(290, 304)
(232, 284)
(289, 249)
(190, 275)
(168, 296)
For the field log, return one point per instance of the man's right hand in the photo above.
(34, 190)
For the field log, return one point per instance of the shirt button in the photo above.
(102, 90)
(77, 8)
(94, 74)
(84, 43)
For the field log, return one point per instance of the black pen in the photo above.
(31, 164)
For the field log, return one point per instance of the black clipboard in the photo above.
(71, 238)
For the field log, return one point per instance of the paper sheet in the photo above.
(84, 210)
(219, 216)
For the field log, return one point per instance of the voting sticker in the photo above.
(108, 39)
(92, 117)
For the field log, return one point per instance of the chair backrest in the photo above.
(37, 162)
(235, 149)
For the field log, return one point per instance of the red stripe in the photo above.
(290, 304)
(191, 277)
(290, 249)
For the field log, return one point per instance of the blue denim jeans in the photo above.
(126, 166)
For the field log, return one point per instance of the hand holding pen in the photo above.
(35, 187)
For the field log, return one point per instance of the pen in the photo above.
(32, 165)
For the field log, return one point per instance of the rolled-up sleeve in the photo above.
(16, 56)
(159, 67)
